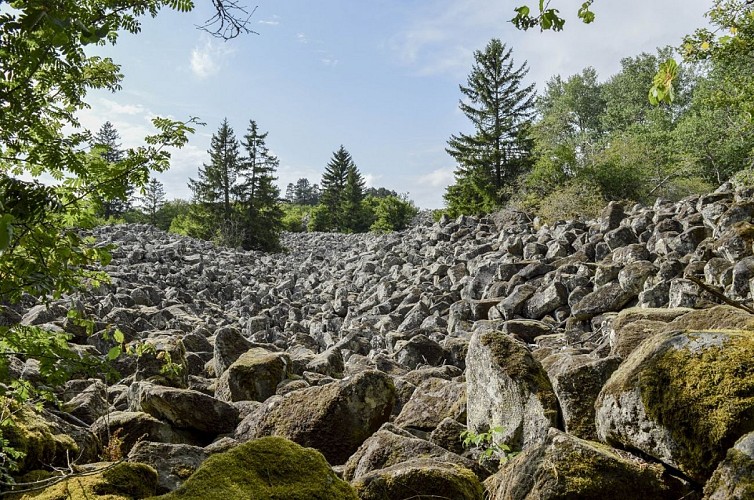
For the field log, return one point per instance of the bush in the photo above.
(392, 213)
(295, 217)
(572, 201)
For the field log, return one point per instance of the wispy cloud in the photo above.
(443, 37)
(301, 37)
(274, 21)
(440, 177)
(207, 59)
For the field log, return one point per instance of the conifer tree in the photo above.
(353, 194)
(215, 189)
(107, 146)
(258, 194)
(500, 109)
(333, 187)
(153, 199)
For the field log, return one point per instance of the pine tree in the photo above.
(500, 108)
(153, 199)
(333, 186)
(106, 145)
(215, 189)
(353, 194)
(258, 194)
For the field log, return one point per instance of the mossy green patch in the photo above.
(420, 479)
(517, 362)
(700, 386)
(270, 468)
(124, 481)
(28, 432)
(734, 478)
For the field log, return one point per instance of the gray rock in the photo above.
(174, 463)
(179, 407)
(254, 376)
(508, 388)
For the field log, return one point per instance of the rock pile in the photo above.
(608, 353)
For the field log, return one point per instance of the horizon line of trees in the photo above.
(583, 142)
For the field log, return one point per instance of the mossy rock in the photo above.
(734, 477)
(683, 398)
(508, 388)
(122, 481)
(420, 479)
(566, 467)
(269, 468)
(41, 441)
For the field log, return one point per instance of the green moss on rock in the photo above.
(733, 480)
(124, 481)
(41, 442)
(265, 469)
(566, 467)
(420, 479)
(703, 395)
(517, 362)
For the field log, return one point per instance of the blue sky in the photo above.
(379, 77)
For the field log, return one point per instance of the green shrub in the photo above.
(572, 201)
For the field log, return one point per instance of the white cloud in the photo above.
(274, 21)
(329, 61)
(122, 109)
(371, 180)
(440, 177)
(301, 37)
(207, 59)
(441, 38)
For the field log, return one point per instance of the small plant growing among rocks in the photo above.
(485, 449)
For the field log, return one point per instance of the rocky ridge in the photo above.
(592, 345)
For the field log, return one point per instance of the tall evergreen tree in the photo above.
(215, 189)
(257, 192)
(107, 146)
(353, 195)
(333, 186)
(153, 199)
(500, 107)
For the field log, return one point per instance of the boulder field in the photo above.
(609, 358)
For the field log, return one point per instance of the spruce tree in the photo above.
(353, 194)
(333, 186)
(215, 189)
(106, 144)
(153, 199)
(500, 108)
(258, 194)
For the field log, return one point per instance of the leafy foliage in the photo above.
(488, 448)
(547, 18)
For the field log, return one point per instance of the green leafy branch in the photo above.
(488, 447)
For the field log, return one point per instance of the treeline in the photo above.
(236, 203)
(584, 141)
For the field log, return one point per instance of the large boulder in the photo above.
(390, 446)
(174, 463)
(335, 418)
(270, 467)
(508, 388)
(43, 438)
(683, 398)
(564, 466)
(254, 376)
(184, 408)
(420, 478)
(121, 430)
(577, 381)
(431, 402)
